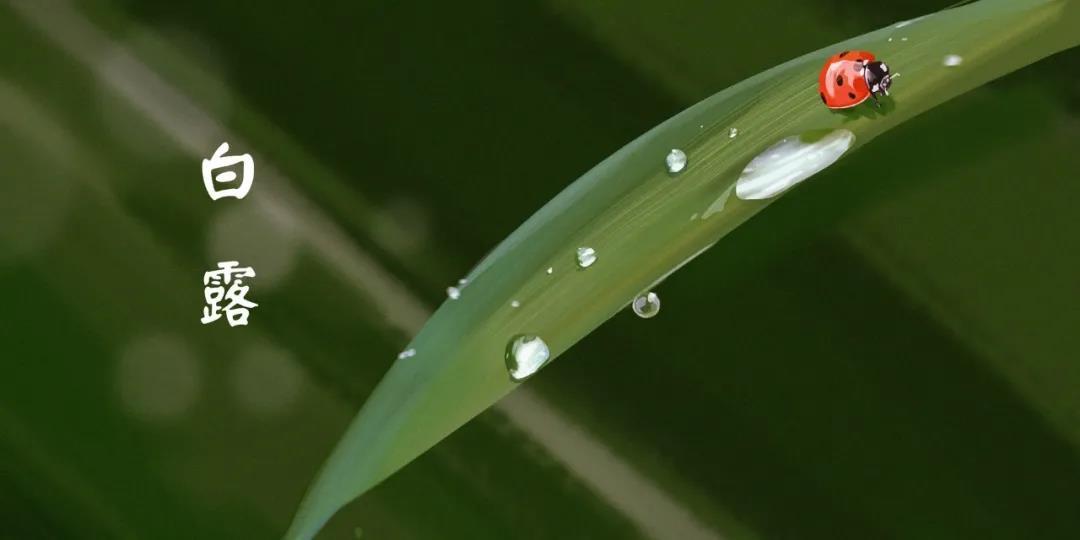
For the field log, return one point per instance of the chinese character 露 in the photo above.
(227, 177)
(236, 305)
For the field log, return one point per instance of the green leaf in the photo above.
(645, 223)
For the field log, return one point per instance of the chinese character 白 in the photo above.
(227, 177)
(236, 305)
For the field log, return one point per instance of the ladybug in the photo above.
(851, 77)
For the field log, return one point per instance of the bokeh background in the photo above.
(890, 351)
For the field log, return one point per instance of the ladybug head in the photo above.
(878, 77)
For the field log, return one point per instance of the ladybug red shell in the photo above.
(851, 77)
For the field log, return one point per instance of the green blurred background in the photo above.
(890, 351)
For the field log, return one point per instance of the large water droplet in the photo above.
(453, 293)
(646, 305)
(789, 162)
(676, 161)
(953, 60)
(586, 256)
(525, 355)
(407, 353)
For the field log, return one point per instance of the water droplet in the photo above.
(694, 216)
(890, 40)
(953, 60)
(407, 353)
(733, 132)
(718, 205)
(789, 162)
(462, 282)
(515, 304)
(646, 305)
(525, 355)
(903, 38)
(550, 270)
(453, 292)
(586, 256)
(676, 161)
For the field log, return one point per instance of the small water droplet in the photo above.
(515, 304)
(903, 39)
(453, 292)
(953, 60)
(733, 132)
(407, 353)
(586, 256)
(676, 161)
(718, 205)
(646, 305)
(550, 270)
(694, 216)
(525, 355)
(462, 282)
(890, 39)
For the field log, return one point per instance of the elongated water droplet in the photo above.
(453, 292)
(718, 205)
(586, 256)
(407, 353)
(646, 305)
(733, 132)
(789, 162)
(676, 161)
(953, 60)
(525, 355)
(515, 304)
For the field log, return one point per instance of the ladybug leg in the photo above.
(877, 104)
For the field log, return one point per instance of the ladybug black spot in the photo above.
(843, 54)
(823, 100)
(851, 95)
(839, 80)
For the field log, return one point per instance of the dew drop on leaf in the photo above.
(789, 162)
(586, 256)
(525, 355)
(676, 161)
(646, 305)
